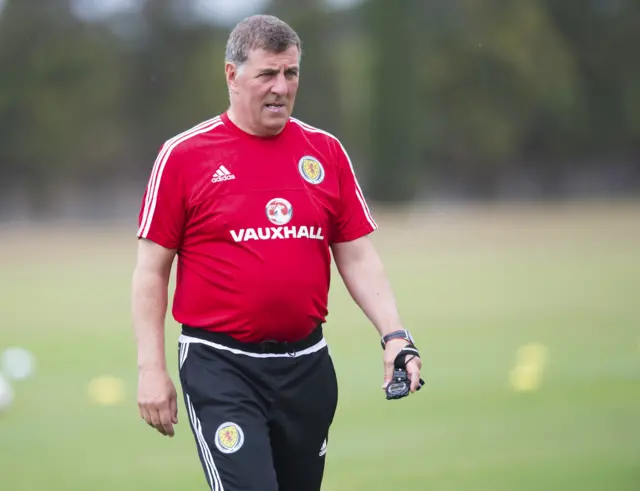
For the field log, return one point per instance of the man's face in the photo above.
(264, 89)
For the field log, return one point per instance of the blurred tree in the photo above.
(600, 135)
(318, 102)
(175, 78)
(446, 95)
(603, 36)
(489, 70)
(58, 96)
(353, 60)
(394, 110)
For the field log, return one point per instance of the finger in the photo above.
(167, 429)
(413, 370)
(144, 414)
(156, 420)
(415, 381)
(173, 404)
(388, 373)
(166, 419)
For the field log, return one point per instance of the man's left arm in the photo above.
(363, 274)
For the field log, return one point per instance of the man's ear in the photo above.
(231, 74)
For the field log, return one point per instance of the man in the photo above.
(253, 202)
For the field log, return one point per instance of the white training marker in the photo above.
(18, 363)
(531, 359)
(6, 393)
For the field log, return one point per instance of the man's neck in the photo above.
(245, 125)
(235, 119)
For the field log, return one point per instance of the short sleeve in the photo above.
(354, 217)
(163, 208)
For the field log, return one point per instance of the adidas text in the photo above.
(269, 233)
(222, 178)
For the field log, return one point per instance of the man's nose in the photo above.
(280, 85)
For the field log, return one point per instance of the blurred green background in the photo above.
(474, 286)
(438, 100)
(498, 144)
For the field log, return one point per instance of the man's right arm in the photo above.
(150, 301)
(156, 392)
(161, 224)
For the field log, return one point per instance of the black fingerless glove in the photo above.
(400, 384)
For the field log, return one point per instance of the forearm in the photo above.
(149, 306)
(367, 283)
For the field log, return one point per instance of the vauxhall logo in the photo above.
(279, 212)
(268, 233)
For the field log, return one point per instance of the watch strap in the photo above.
(399, 334)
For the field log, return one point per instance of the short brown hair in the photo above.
(260, 32)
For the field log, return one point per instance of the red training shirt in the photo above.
(252, 219)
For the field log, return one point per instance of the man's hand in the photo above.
(157, 400)
(392, 348)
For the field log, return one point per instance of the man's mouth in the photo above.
(275, 107)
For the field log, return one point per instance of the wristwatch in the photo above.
(400, 334)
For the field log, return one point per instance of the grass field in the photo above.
(473, 285)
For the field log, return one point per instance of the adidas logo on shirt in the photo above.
(222, 174)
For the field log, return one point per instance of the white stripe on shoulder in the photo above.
(152, 180)
(358, 190)
(158, 168)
